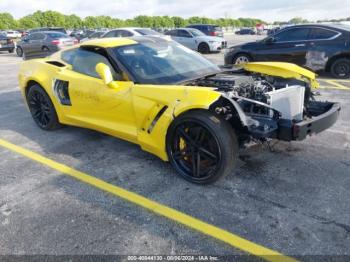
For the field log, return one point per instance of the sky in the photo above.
(268, 10)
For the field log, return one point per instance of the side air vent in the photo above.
(60, 88)
(155, 120)
(56, 63)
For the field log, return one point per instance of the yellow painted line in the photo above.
(332, 87)
(335, 85)
(182, 218)
(337, 80)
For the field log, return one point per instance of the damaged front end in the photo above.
(271, 100)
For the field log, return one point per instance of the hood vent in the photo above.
(56, 63)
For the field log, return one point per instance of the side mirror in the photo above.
(105, 73)
(270, 40)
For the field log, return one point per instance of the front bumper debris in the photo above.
(325, 115)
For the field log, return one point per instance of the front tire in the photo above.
(340, 68)
(203, 48)
(241, 59)
(42, 109)
(201, 147)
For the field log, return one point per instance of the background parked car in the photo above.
(13, 34)
(46, 29)
(130, 31)
(245, 31)
(212, 30)
(94, 35)
(196, 40)
(43, 43)
(6, 44)
(81, 34)
(318, 47)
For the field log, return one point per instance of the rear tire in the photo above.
(42, 109)
(45, 49)
(203, 48)
(201, 147)
(340, 68)
(11, 51)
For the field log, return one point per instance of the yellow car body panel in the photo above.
(126, 112)
(129, 111)
(282, 69)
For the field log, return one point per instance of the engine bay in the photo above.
(262, 95)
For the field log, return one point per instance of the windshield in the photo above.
(96, 34)
(195, 32)
(146, 31)
(57, 35)
(163, 62)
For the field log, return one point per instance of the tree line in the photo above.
(56, 19)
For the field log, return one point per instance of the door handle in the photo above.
(299, 45)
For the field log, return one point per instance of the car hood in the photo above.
(282, 69)
(244, 46)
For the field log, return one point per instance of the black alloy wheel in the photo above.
(203, 48)
(201, 148)
(341, 68)
(42, 109)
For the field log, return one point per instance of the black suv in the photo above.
(318, 47)
(212, 30)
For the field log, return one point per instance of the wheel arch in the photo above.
(34, 81)
(203, 43)
(238, 121)
(29, 84)
(334, 58)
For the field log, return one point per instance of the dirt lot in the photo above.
(294, 200)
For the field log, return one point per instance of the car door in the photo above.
(289, 45)
(88, 101)
(37, 42)
(27, 43)
(185, 38)
(323, 44)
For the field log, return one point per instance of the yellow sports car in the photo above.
(172, 101)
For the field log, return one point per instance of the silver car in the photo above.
(130, 31)
(43, 43)
(196, 40)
